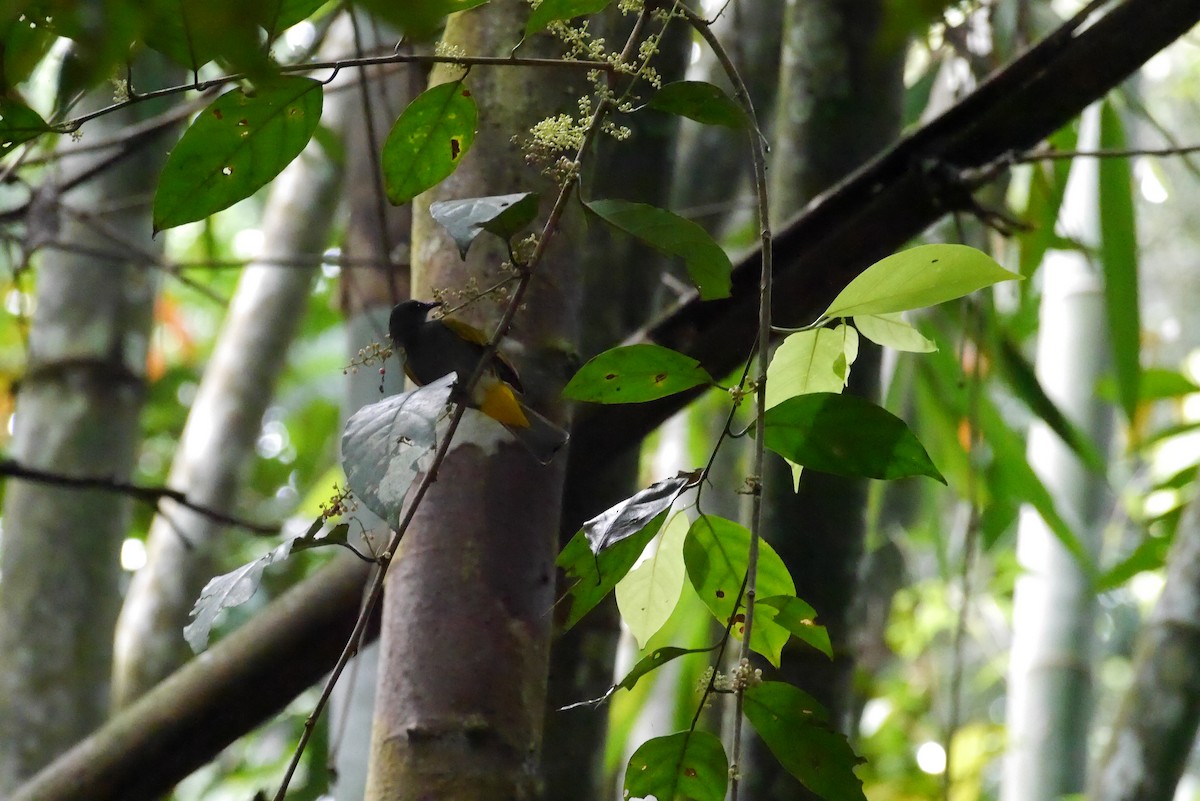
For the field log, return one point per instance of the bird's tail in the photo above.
(541, 437)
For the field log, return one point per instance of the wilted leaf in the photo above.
(793, 726)
(686, 766)
(706, 262)
(716, 552)
(226, 591)
(635, 373)
(700, 101)
(648, 594)
(428, 141)
(234, 147)
(593, 576)
(847, 436)
(918, 277)
(631, 515)
(502, 215)
(383, 444)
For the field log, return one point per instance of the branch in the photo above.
(140, 492)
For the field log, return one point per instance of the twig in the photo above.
(1103, 153)
(764, 344)
(336, 66)
(140, 492)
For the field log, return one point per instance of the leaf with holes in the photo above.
(794, 727)
(385, 444)
(553, 10)
(685, 766)
(699, 101)
(797, 617)
(707, 264)
(715, 553)
(234, 147)
(634, 374)
(18, 123)
(845, 435)
(918, 277)
(502, 215)
(428, 141)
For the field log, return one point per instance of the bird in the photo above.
(437, 347)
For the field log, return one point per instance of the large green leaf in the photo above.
(811, 361)
(194, 32)
(716, 554)
(665, 231)
(648, 594)
(845, 435)
(18, 123)
(699, 101)
(234, 147)
(428, 141)
(797, 616)
(793, 725)
(1047, 185)
(549, 11)
(922, 276)
(685, 766)
(1119, 258)
(383, 445)
(592, 576)
(634, 374)
(502, 215)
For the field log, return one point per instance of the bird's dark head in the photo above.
(407, 317)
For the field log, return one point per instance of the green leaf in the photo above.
(632, 514)
(792, 724)
(797, 617)
(1047, 185)
(716, 552)
(891, 331)
(811, 361)
(685, 766)
(699, 101)
(1119, 259)
(428, 141)
(593, 576)
(418, 20)
(227, 591)
(384, 445)
(1150, 554)
(669, 233)
(552, 10)
(18, 123)
(634, 374)
(1161, 384)
(502, 215)
(845, 435)
(194, 32)
(338, 535)
(918, 277)
(234, 147)
(655, 660)
(648, 594)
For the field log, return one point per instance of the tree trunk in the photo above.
(467, 612)
(77, 414)
(1049, 678)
